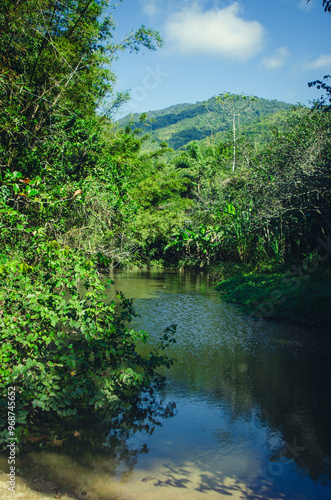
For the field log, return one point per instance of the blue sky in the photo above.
(269, 48)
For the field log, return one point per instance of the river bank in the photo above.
(276, 291)
(292, 296)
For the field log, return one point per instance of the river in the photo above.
(250, 405)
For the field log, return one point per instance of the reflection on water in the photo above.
(250, 407)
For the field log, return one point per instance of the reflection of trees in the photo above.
(143, 417)
(286, 382)
(114, 442)
(292, 393)
(291, 390)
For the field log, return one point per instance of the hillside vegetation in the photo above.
(208, 122)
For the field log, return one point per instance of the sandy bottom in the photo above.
(46, 475)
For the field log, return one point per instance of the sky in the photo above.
(266, 48)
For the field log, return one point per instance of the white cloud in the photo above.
(217, 31)
(150, 8)
(323, 61)
(277, 59)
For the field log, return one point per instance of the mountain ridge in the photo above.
(183, 123)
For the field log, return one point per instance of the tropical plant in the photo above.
(65, 347)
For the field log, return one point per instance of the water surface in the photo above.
(253, 401)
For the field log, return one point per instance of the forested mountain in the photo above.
(208, 121)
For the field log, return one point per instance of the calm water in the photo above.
(250, 406)
(252, 402)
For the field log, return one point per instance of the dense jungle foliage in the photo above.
(194, 211)
(80, 195)
(64, 348)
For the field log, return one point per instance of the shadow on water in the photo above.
(207, 483)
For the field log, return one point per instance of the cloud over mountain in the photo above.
(221, 32)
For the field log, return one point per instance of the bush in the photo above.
(66, 347)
